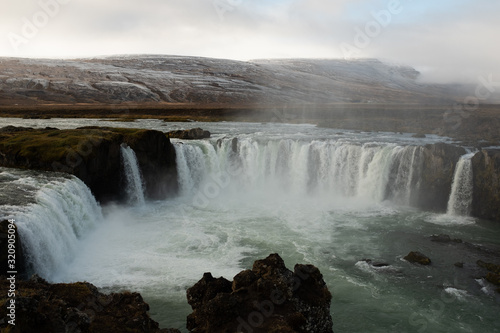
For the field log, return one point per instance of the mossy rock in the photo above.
(418, 258)
(93, 155)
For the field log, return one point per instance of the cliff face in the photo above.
(267, 298)
(486, 184)
(438, 167)
(93, 155)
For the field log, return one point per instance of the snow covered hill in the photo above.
(175, 79)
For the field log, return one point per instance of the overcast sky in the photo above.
(444, 39)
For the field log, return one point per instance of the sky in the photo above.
(446, 40)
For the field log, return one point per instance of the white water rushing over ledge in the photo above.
(365, 172)
(134, 184)
(312, 195)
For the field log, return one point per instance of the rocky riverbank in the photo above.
(93, 155)
(41, 307)
(267, 298)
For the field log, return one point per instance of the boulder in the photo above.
(191, 134)
(8, 229)
(42, 307)
(417, 258)
(443, 238)
(486, 184)
(267, 298)
(376, 264)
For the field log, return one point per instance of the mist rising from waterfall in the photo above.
(368, 172)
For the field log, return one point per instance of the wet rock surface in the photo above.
(438, 167)
(493, 274)
(418, 258)
(191, 134)
(267, 298)
(486, 184)
(42, 307)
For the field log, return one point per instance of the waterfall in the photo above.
(374, 171)
(461, 190)
(63, 212)
(133, 179)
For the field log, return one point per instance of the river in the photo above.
(327, 197)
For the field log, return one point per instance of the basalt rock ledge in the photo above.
(93, 155)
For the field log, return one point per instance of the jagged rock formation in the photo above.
(93, 155)
(42, 307)
(268, 298)
(486, 184)
(436, 177)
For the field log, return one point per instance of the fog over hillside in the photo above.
(177, 79)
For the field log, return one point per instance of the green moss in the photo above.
(46, 146)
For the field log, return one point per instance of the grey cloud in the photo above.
(456, 40)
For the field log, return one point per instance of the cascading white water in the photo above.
(134, 184)
(461, 191)
(64, 211)
(369, 171)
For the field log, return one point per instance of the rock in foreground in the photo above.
(42, 307)
(268, 298)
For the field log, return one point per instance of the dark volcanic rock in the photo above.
(191, 134)
(438, 167)
(489, 266)
(156, 157)
(442, 238)
(493, 276)
(417, 257)
(486, 184)
(77, 307)
(377, 264)
(93, 155)
(267, 298)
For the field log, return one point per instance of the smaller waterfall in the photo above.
(461, 190)
(133, 179)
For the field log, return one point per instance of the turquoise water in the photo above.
(268, 197)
